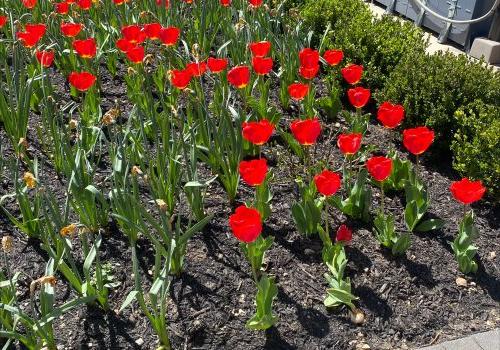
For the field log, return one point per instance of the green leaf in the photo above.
(401, 244)
(267, 292)
(129, 299)
(429, 225)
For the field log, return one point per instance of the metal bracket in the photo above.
(451, 13)
(390, 7)
(420, 16)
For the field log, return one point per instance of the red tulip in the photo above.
(225, 3)
(152, 30)
(135, 54)
(62, 8)
(32, 34)
(333, 57)
(253, 172)
(306, 131)
(309, 58)
(327, 182)
(260, 48)
(418, 140)
(3, 20)
(119, 2)
(124, 45)
(45, 58)
(298, 91)
(255, 3)
(71, 30)
(85, 48)
(134, 33)
(390, 115)
(262, 65)
(352, 73)
(197, 69)
(246, 224)
(180, 78)
(308, 72)
(344, 234)
(349, 143)
(239, 76)
(467, 191)
(29, 4)
(82, 81)
(257, 133)
(164, 2)
(216, 65)
(358, 96)
(169, 35)
(379, 167)
(84, 4)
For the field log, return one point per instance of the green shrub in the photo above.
(476, 144)
(433, 87)
(376, 43)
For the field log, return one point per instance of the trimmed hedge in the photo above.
(433, 87)
(476, 144)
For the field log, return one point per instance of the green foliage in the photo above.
(267, 292)
(462, 246)
(339, 291)
(357, 204)
(476, 144)
(387, 236)
(433, 87)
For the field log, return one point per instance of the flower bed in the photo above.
(174, 185)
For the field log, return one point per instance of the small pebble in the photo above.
(460, 281)
(139, 341)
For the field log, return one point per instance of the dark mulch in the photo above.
(409, 301)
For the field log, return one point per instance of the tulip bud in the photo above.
(162, 205)
(69, 230)
(29, 180)
(73, 124)
(7, 243)
(136, 171)
(357, 316)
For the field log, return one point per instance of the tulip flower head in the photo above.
(246, 224)
(134, 33)
(333, 57)
(136, 54)
(257, 133)
(85, 48)
(84, 4)
(239, 76)
(81, 81)
(169, 35)
(216, 65)
(45, 58)
(466, 191)
(124, 45)
(390, 115)
(298, 91)
(253, 172)
(71, 30)
(225, 3)
(352, 73)
(379, 167)
(32, 34)
(62, 8)
(306, 131)
(152, 30)
(418, 140)
(180, 78)
(197, 69)
(255, 3)
(358, 96)
(29, 4)
(349, 143)
(327, 182)
(344, 234)
(262, 65)
(260, 48)
(3, 20)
